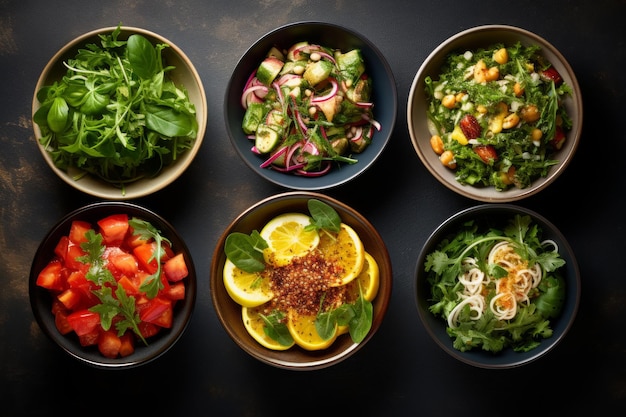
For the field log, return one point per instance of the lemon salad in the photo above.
(497, 288)
(496, 116)
(302, 280)
(307, 107)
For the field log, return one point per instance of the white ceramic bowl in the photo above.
(184, 75)
(470, 40)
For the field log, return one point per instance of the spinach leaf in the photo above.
(246, 251)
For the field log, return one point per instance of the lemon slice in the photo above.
(302, 329)
(345, 250)
(286, 238)
(254, 325)
(368, 278)
(248, 289)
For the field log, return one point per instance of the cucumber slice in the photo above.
(253, 116)
(269, 69)
(266, 139)
(317, 71)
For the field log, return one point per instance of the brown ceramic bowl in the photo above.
(229, 312)
(420, 129)
(184, 76)
(41, 299)
(497, 216)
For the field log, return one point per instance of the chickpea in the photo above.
(510, 121)
(518, 90)
(447, 159)
(530, 113)
(481, 109)
(459, 97)
(448, 101)
(437, 144)
(536, 134)
(501, 56)
(482, 74)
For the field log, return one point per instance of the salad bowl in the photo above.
(229, 312)
(335, 37)
(422, 127)
(565, 297)
(151, 176)
(44, 301)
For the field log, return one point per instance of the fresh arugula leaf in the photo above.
(276, 329)
(152, 284)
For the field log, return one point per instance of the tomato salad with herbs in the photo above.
(307, 107)
(496, 289)
(114, 284)
(496, 115)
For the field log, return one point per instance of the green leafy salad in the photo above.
(496, 115)
(496, 289)
(115, 114)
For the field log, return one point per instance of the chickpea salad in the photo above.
(496, 115)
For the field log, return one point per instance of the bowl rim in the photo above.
(477, 358)
(255, 350)
(325, 181)
(148, 186)
(486, 194)
(40, 297)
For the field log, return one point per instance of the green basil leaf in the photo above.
(142, 56)
(168, 122)
(58, 115)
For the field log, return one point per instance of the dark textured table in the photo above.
(401, 371)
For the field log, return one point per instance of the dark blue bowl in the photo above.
(334, 36)
(497, 215)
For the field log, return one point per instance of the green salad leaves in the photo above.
(486, 331)
(115, 114)
(518, 120)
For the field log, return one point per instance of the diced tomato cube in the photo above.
(175, 291)
(60, 249)
(132, 240)
(157, 311)
(114, 229)
(60, 320)
(57, 306)
(122, 263)
(50, 277)
(175, 268)
(71, 259)
(148, 329)
(128, 344)
(109, 344)
(78, 230)
(91, 338)
(84, 321)
(70, 298)
(145, 257)
(129, 286)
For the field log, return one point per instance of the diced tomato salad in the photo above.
(130, 259)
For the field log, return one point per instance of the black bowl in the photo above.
(41, 299)
(497, 215)
(326, 34)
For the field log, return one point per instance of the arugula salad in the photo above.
(496, 289)
(496, 115)
(115, 114)
(307, 107)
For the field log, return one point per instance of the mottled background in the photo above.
(401, 371)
